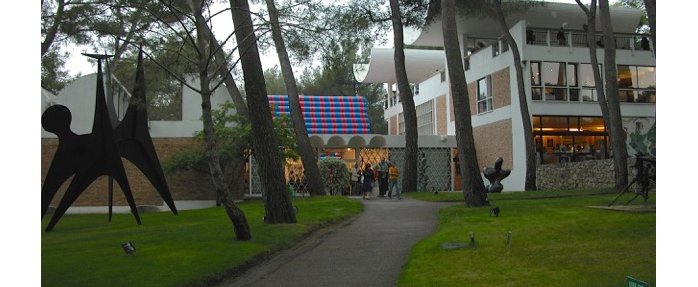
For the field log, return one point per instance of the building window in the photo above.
(637, 84)
(425, 119)
(583, 138)
(587, 83)
(484, 95)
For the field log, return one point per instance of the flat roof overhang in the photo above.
(419, 64)
(551, 15)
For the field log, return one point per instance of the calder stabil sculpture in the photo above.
(89, 156)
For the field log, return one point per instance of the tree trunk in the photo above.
(650, 8)
(591, 42)
(277, 200)
(530, 182)
(307, 153)
(409, 179)
(53, 31)
(473, 187)
(615, 125)
(242, 229)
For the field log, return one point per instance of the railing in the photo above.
(576, 38)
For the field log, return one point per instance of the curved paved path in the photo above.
(368, 251)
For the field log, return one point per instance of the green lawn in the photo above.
(556, 242)
(458, 196)
(191, 248)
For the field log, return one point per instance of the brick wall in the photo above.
(393, 125)
(501, 88)
(492, 141)
(183, 185)
(441, 115)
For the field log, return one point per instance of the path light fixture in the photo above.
(128, 247)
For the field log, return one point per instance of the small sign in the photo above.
(632, 282)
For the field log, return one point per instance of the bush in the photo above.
(335, 175)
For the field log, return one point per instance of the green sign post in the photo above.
(632, 282)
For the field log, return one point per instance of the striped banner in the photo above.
(328, 114)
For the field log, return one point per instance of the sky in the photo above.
(21, 169)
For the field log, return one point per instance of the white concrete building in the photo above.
(559, 86)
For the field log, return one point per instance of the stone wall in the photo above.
(183, 185)
(583, 174)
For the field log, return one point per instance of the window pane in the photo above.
(537, 94)
(647, 77)
(535, 74)
(554, 123)
(482, 89)
(572, 74)
(554, 73)
(627, 77)
(588, 95)
(586, 75)
(555, 94)
(593, 124)
(647, 97)
(536, 122)
(627, 96)
(574, 95)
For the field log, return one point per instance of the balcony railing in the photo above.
(576, 38)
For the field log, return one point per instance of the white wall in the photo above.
(79, 97)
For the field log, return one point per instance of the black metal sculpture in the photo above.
(98, 153)
(495, 176)
(135, 143)
(645, 174)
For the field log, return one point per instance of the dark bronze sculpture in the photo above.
(645, 174)
(495, 176)
(98, 153)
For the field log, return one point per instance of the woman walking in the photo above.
(368, 177)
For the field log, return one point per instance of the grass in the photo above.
(555, 242)
(196, 247)
(458, 196)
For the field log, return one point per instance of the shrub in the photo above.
(335, 175)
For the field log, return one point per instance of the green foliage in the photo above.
(555, 242)
(336, 77)
(274, 81)
(232, 131)
(335, 175)
(184, 250)
(54, 76)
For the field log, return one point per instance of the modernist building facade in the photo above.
(559, 86)
(337, 126)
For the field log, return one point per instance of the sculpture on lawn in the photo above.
(495, 176)
(89, 156)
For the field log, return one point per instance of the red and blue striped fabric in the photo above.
(328, 114)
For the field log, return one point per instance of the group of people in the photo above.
(386, 173)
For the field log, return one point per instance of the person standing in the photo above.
(355, 184)
(368, 179)
(393, 174)
(561, 39)
(382, 170)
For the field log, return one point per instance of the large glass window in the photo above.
(583, 138)
(587, 83)
(637, 84)
(554, 74)
(550, 80)
(484, 95)
(425, 119)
